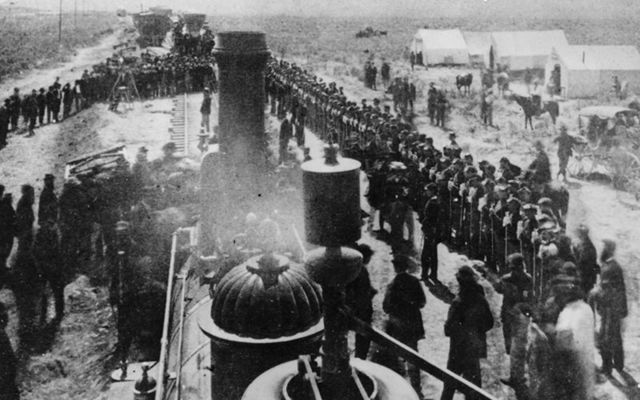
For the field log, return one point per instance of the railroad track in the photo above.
(179, 130)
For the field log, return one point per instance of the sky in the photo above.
(428, 8)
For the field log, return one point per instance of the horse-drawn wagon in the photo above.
(607, 144)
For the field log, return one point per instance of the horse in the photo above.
(464, 81)
(531, 109)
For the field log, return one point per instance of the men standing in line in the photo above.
(430, 229)
(468, 321)
(48, 204)
(205, 110)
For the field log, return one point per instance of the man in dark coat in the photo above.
(540, 169)
(286, 132)
(4, 123)
(48, 204)
(14, 110)
(402, 302)
(586, 258)
(52, 101)
(25, 217)
(432, 99)
(509, 171)
(7, 232)
(67, 100)
(468, 321)
(515, 288)
(41, 99)
(359, 294)
(46, 252)
(30, 110)
(609, 300)
(565, 150)
(9, 365)
(430, 229)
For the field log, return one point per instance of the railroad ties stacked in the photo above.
(179, 125)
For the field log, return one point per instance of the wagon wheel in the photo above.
(586, 159)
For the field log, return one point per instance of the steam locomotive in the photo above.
(251, 324)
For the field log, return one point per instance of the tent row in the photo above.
(577, 71)
(519, 50)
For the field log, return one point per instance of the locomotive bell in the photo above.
(331, 199)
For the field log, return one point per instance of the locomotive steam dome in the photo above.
(266, 297)
(263, 312)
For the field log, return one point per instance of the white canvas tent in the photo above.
(525, 49)
(587, 71)
(440, 46)
(478, 45)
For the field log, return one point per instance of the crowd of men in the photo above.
(509, 220)
(153, 77)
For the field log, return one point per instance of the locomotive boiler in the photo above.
(262, 322)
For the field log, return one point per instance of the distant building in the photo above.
(440, 47)
(587, 71)
(479, 47)
(524, 49)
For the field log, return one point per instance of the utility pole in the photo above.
(60, 23)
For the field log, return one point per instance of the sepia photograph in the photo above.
(319, 199)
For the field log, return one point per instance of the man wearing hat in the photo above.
(430, 229)
(48, 204)
(468, 320)
(442, 104)
(41, 99)
(403, 301)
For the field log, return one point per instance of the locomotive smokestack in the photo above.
(241, 58)
(231, 176)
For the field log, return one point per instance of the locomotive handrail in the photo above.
(164, 341)
(180, 337)
(416, 359)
